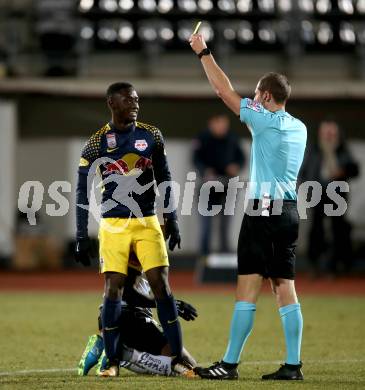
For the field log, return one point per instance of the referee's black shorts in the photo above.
(267, 244)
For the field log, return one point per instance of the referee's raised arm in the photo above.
(217, 78)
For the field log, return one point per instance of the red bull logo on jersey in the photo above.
(141, 144)
(129, 164)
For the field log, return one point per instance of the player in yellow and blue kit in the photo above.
(130, 157)
(267, 240)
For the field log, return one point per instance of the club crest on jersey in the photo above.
(141, 144)
(111, 140)
(254, 105)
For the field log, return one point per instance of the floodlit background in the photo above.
(57, 57)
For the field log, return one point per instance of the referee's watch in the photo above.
(204, 52)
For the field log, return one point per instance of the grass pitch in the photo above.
(44, 334)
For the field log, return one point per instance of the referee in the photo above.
(267, 240)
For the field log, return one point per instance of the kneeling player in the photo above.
(143, 348)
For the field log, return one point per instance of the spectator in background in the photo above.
(329, 160)
(217, 156)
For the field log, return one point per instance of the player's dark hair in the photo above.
(117, 87)
(277, 84)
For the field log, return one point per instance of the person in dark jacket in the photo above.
(217, 156)
(329, 160)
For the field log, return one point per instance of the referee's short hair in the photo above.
(277, 84)
(117, 87)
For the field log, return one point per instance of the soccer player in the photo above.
(143, 348)
(130, 157)
(267, 240)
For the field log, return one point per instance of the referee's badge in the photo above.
(111, 140)
(141, 144)
(254, 105)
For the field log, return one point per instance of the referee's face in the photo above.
(125, 106)
(260, 96)
(257, 97)
(263, 97)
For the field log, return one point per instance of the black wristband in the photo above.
(204, 52)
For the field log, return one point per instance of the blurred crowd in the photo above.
(329, 159)
(217, 156)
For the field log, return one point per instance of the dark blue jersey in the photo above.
(130, 162)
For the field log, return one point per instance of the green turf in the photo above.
(49, 331)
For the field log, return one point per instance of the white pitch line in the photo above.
(268, 362)
(37, 371)
(308, 361)
(249, 363)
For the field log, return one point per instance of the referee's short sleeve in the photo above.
(252, 113)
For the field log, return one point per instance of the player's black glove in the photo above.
(172, 233)
(186, 311)
(84, 251)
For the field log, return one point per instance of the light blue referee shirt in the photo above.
(278, 145)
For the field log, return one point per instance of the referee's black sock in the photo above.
(110, 317)
(167, 314)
